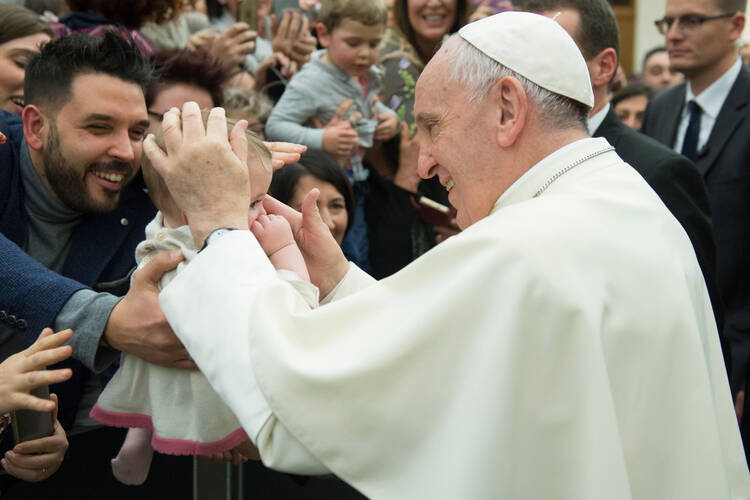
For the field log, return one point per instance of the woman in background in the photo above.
(291, 183)
(21, 35)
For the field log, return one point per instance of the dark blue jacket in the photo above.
(102, 257)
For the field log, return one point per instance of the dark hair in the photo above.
(214, 9)
(369, 13)
(401, 19)
(131, 13)
(319, 165)
(650, 53)
(631, 90)
(731, 5)
(50, 73)
(193, 67)
(597, 27)
(18, 22)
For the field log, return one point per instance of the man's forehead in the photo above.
(96, 93)
(691, 6)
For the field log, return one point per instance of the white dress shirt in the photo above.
(594, 122)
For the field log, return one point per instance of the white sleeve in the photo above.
(353, 281)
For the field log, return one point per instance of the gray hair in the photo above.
(248, 101)
(478, 73)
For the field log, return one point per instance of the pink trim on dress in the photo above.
(166, 445)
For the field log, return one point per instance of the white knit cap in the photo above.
(535, 47)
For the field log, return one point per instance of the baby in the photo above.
(175, 411)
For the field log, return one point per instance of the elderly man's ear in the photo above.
(513, 108)
(34, 127)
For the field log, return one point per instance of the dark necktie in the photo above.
(690, 144)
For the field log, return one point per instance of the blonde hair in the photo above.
(157, 188)
(367, 12)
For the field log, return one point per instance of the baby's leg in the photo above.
(132, 463)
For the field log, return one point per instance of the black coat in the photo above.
(724, 164)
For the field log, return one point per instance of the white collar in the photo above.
(712, 99)
(594, 122)
(552, 159)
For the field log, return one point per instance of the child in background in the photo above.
(350, 31)
(175, 411)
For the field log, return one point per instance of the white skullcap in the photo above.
(535, 47)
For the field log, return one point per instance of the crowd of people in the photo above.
(416, 248)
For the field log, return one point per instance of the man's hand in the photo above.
(38, 459)
(205, 171)
(387, 127)
(137, 325)
(291, 36)
(25, 370)
(288, 68)
(324, 259)
(284, 152)
(234, 44)
(407, 176)
(442, 233)
(201, 39)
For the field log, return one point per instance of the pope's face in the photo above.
(456, 142)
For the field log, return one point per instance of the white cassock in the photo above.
(561, 348)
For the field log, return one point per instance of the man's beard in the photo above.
(69, 183)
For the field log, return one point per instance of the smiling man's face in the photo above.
(93, 145)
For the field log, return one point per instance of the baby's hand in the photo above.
(387, 127)
(273, 233)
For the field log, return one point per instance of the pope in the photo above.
(562, 346)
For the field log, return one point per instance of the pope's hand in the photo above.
(323, 256)
(204, 169)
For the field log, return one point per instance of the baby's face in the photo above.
(260, 180)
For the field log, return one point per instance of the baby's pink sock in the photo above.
(132, 463)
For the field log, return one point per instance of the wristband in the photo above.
(215, 235)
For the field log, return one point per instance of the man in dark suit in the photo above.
(708, 119)
(593, 26)
(69, 225)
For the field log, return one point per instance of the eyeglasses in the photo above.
(689, 23)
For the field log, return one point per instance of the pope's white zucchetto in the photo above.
(535, 47)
